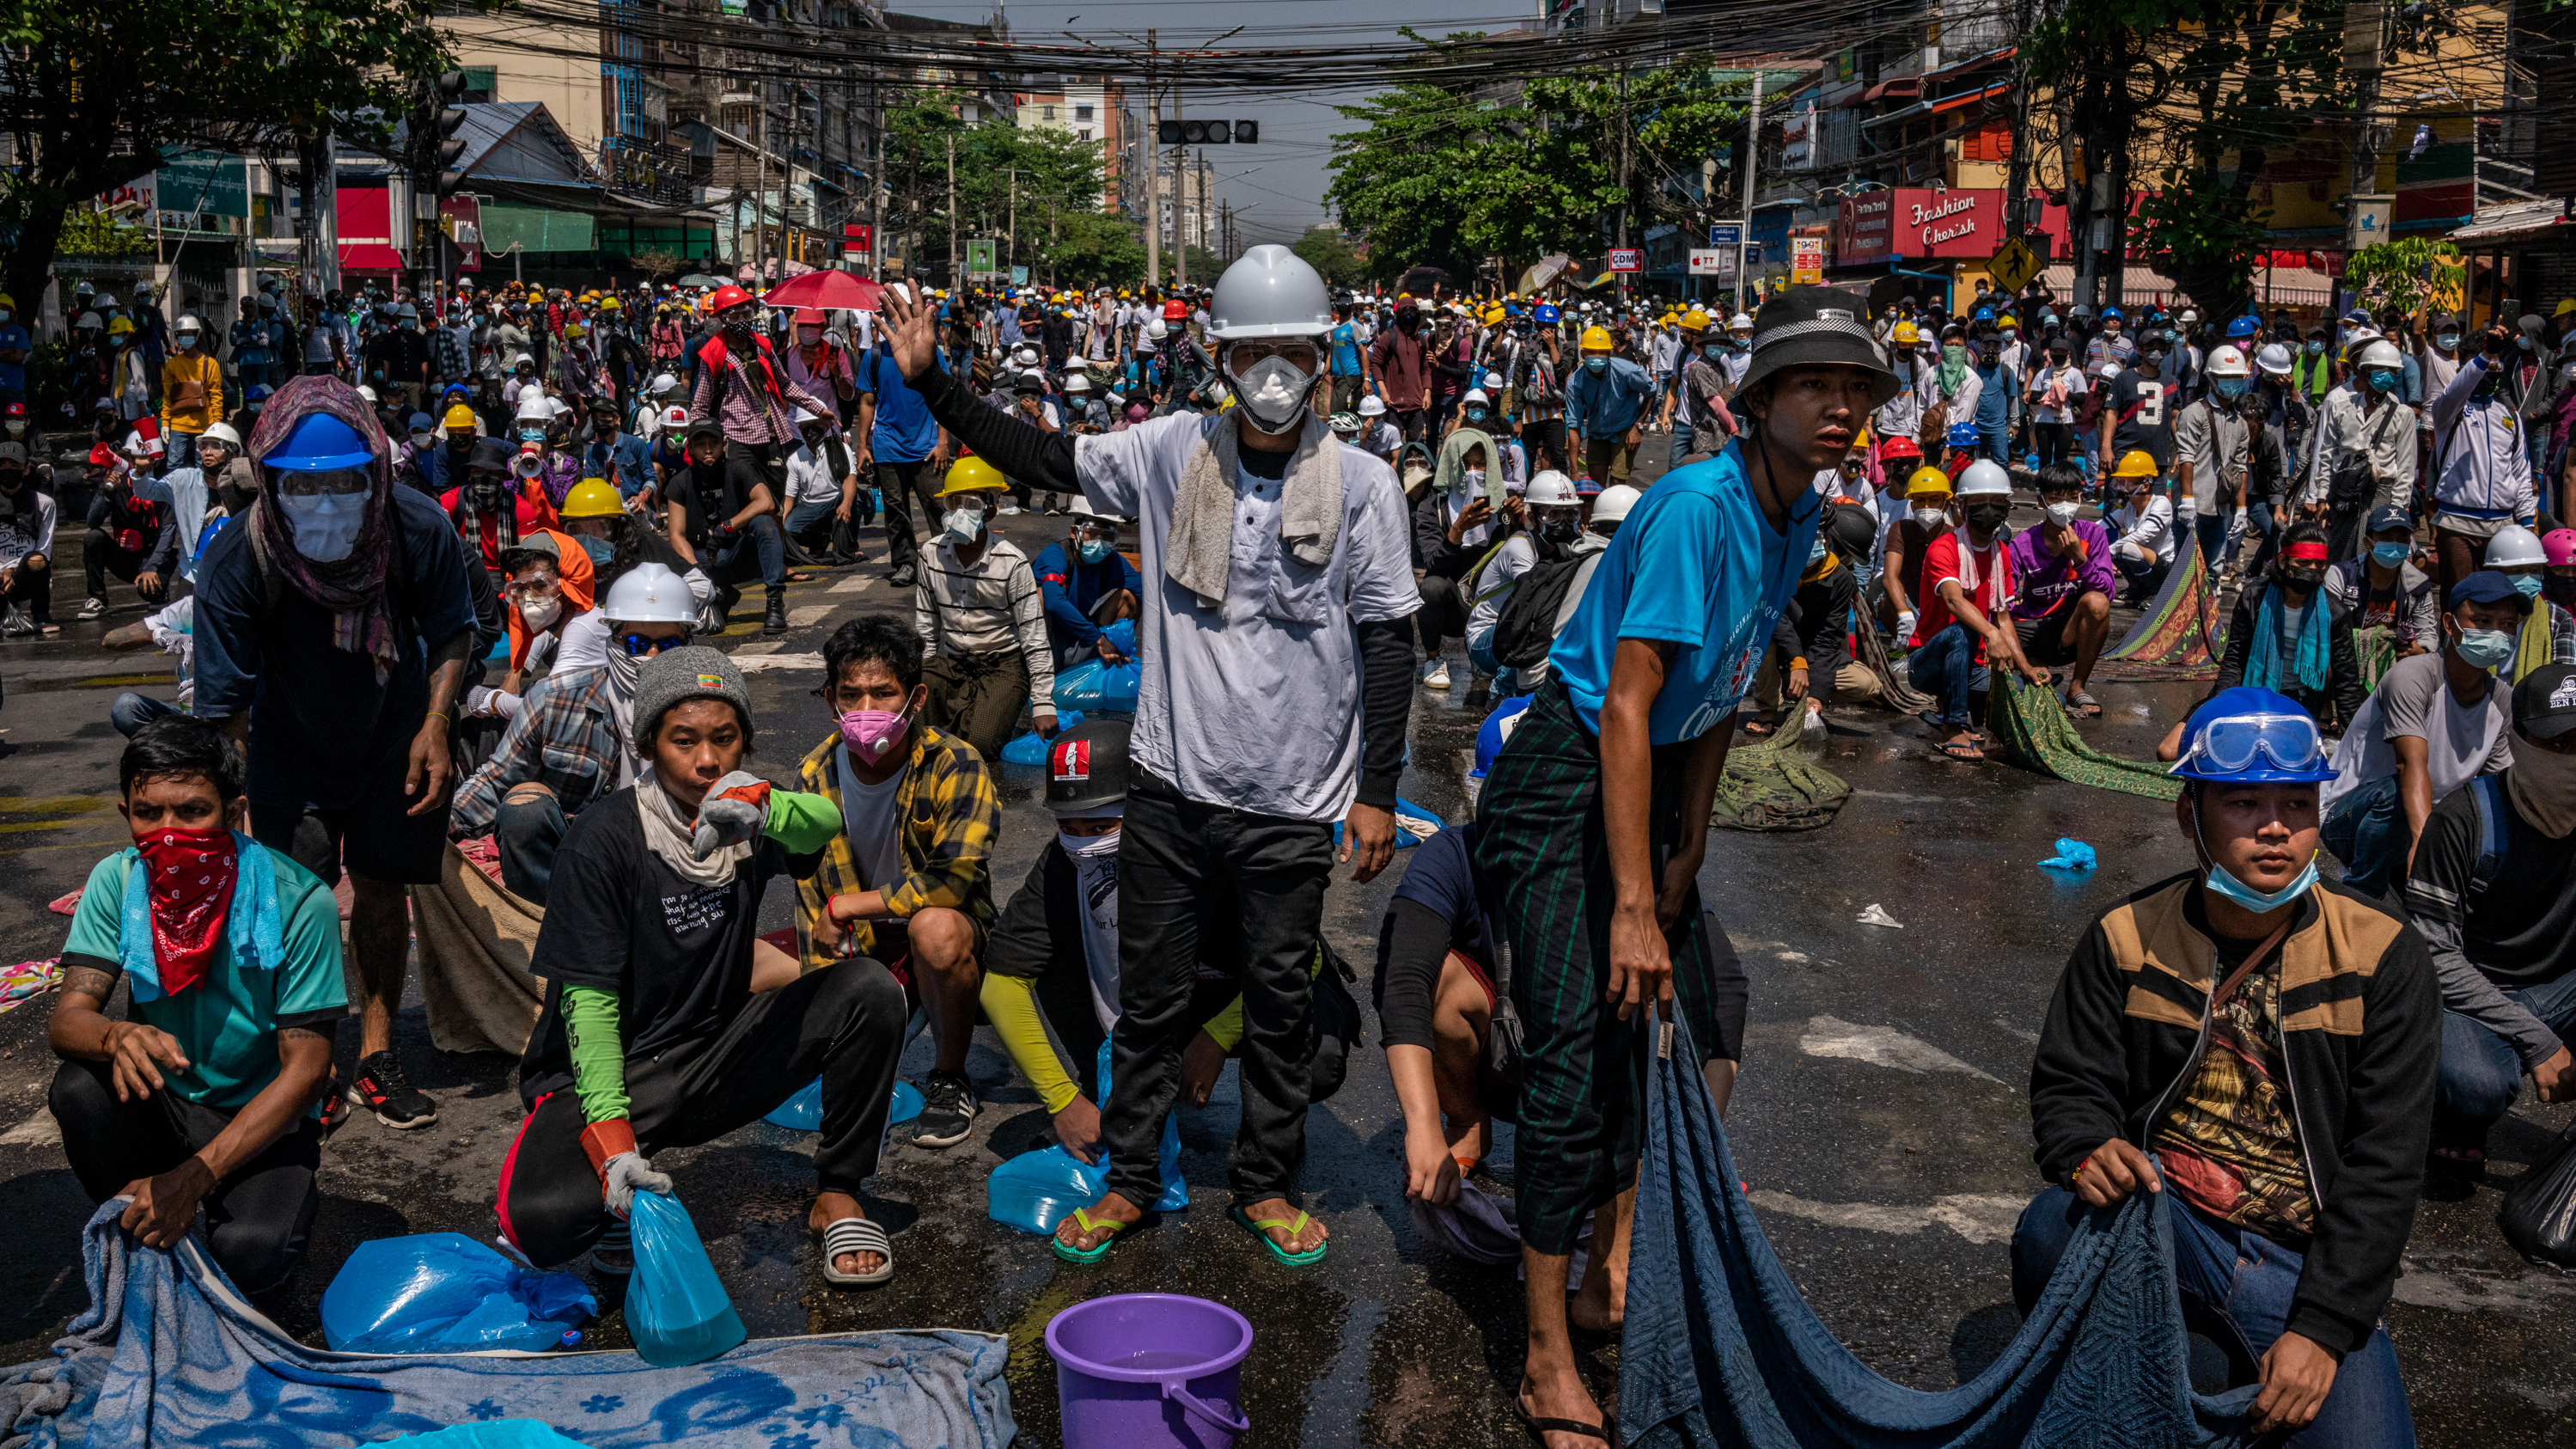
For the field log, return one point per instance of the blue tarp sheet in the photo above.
(169, 1356)
(1719, 1348)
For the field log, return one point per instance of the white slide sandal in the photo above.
(856, 1235)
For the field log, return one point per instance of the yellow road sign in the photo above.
(2013, 266)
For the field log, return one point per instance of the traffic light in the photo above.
(1208, 133)
(445, 123)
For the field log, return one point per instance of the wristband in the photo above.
(601, 1141)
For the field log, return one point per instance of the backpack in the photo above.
(1525, 628)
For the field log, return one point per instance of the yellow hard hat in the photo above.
(592, 498)
(1905, 332)
(2008, 320)
(2137, 463)
(1694, 320)
(1862, 440)
(610, 305)
(536, 298)
(1927, 480)
(119, 326)
(460, 418)
(1596, 339)
(8, 301)
(972, 475)
(1493, 315)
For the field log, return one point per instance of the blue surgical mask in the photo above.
(2384, 379)
(2447, 341)
(2220, 882)
(2389, 555)
(1596, 365)
(2485, 648)
(1816, 555)
(2316, 347)
(2527, 585)
(1475, 415)
(2229, 387)
(1093, 550)
(1713, 350)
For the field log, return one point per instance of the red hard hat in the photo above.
(809, 316)
(1176, 310)
(728, 296)
(1898, 447)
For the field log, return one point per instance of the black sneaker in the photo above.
(947, 1110)
(382, 1088)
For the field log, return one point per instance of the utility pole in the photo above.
(2017, 170)
(1011, 222)
(1752, 163)
(1181, 210)
(1153, 171)
(1623, 173)
(956, 263)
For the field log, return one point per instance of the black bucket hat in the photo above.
(1817, 327)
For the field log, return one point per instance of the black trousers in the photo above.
(1182, 865)
(897, 483)
(257, 1221)
(1443, 614)
(101, 557)
(1819, 614)
(844, 1022)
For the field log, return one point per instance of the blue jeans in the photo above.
(1681, 443)
(2236, 1287)
(815, 513)
(526, 834)
(758, 549)
(1946, 668)
(2481, 1073)
(131, 712)
(1996, 442)
(2369, 834)
(182, 449)
(2211, 534)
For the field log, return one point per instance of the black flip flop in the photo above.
(1607, 1431)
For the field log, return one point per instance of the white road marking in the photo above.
(1977, 1217)
(808, 615)
(40, 1130)
(753, 664)
(855, 584)
(1880, 1046)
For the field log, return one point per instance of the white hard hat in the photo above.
(1270, 291)
(2109, 369)
(675, 416)
(1372, 406)
(1082, 508)
(558, 407)
(807, 415)
(1076, 382)
(2512, 545)
(1476, 395)
(1614, 502)
(221, 433)
(664, 383)
(2380, 353)
(1983, 477)
(1739, 323)
(1156, 329)
(190, 323)
(649, 593)
(534, 407)
(1024, 356)
(1551, 489)
(523, 360)
(2227, 362)
(2274, 359)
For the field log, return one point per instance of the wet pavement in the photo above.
(1881, 1120)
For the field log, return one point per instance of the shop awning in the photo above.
(1903, 88)
(1949, 103)
(2520, 221)
(535, 229)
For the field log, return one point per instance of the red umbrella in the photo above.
(827, 289)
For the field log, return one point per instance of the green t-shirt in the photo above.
(227, 1023)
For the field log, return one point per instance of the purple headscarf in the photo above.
(353, 588)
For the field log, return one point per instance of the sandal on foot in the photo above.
(1098, 1250)
(856, 1235)
(1261, 1231)
(1607, 1431)
(2083, 705)
(1966, 754)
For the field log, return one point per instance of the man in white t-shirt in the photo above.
(2436, 722)
(1277, 681)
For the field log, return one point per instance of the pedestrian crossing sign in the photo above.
(2013, 266)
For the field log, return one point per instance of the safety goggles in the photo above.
(1245, 356)
(523, 592)
(2289, 741)
(644, 646)
(297, 484)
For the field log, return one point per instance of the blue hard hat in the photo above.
(2251, 736)
(2110, 312)
(319, 442)
(2243, 327)
(1545, 312)
(1497, 728)
(258, 392)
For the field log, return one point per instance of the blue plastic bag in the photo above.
(2072, 854)
(676, 1306)
(1035, 1190)
(1095, 684)
(1031, 748)
(446, 1293)
(804, 1111)
(1413, 825)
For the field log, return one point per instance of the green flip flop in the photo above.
(1261, 1234)
(1098, 1250)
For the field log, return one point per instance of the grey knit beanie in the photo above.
(676, 676)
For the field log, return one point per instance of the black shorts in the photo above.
(2043, 640)
(372, 836)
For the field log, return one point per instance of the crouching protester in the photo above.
(652, 1036)
(1051, 974)
(207, 1093)
(2493, 890)
(905, 877)
(1597, 810)
(2263, 1043)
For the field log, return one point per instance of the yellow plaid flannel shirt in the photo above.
(950, 815)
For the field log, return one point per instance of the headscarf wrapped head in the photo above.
(353, 587)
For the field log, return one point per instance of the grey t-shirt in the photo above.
(868, 817)
(2414, 699)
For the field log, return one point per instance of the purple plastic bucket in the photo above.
(1150, 1371)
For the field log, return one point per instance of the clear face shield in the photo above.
(1273, 379)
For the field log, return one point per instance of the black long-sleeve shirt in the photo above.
(140, 514)
(2341, 699)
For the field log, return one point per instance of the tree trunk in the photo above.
(32, 262)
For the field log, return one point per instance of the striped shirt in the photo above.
(985, 607)
(749, 412)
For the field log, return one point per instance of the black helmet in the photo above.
(1851, 530)
(1087, 767)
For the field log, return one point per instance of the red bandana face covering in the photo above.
(191, 889)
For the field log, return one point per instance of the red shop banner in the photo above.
(1911, 221)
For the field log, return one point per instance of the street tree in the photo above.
(95, 91)
(1333, 258)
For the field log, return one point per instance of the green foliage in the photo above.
(1092, 249)
(1435, 176)
(1006, 177)
(2407, 274)
(100, 237)
(1336, 260)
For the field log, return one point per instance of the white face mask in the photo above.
(1088, 847)
(324, 525)
(542, 612)
(1274, 392)
(421, 440)
(1471, 481)
(963, 524)
(2062, 513)
(1931, 517)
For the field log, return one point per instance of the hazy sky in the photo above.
(1277, 187)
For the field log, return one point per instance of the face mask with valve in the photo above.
(964, 522)
(1274, 391)
(2062, 514)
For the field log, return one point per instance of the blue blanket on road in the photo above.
(1719, 1347)
(168, 1354)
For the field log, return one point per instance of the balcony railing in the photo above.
(640, 168)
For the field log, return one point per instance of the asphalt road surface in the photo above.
(1880, 1121)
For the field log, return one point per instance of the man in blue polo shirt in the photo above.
(1597, 809)
(905, 444)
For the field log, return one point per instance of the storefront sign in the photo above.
(1627, 259)
(1712, 262)
(1922, 222)
(1806, 260)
